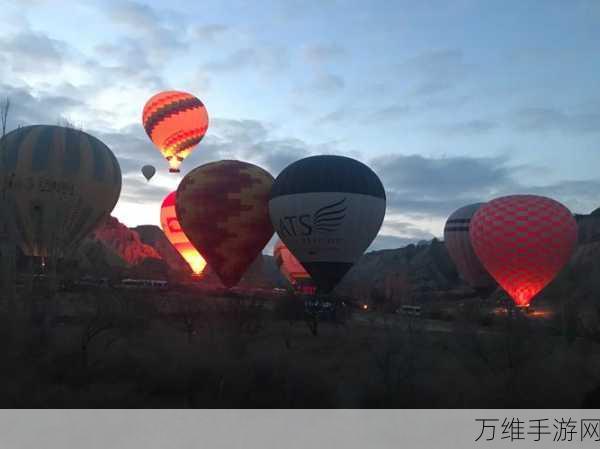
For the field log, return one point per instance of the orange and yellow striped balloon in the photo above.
(172, 229)
(223, 209)
(176, 122)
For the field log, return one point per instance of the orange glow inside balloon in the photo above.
(290, 267)
(172, 229)
(176, 122)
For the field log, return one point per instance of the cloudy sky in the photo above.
(450, 102)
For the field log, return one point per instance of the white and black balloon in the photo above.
(327, 210)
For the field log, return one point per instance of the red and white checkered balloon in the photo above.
(523, 241)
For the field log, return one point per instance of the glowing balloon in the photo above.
(523, 241)
(176, 122)
(59, 184)
(172, 229)
(327, 210)
(458, 244)
(291, 268)
(148, 171)
(223, 210)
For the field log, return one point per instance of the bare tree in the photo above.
(7, 237)
(291, 309)
(66, 123)
(187, 314)
(110, 319)
(4, 108)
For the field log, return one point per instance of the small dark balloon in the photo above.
(148, 171)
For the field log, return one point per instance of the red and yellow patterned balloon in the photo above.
(176, 122)
(223, 209)
(172, 229)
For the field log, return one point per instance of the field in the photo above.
(143, 349)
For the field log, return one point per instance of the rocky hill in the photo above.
(424, 271)
(588, 227)
(402, 275)
(145, 252)
(125, 242)
(411, 274)
(154, 237)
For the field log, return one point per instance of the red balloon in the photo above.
(223, 208)
(172, 229)
(523, 241)
(292, 270)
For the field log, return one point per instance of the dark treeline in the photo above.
(126, 348)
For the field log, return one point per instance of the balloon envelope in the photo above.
(58, 184)
(291, 268)
(327, 210)
(172, 229)
(460, 249)
(148, 171)
(523, 241)
(176, 122)
(223, 210)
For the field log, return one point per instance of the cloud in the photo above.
(136, 190)
(320, 54)
(268, 60)
(336, 116)
(31, 52)
(101, 89)
(539, 119)
(431, 87)
(581, 196)
(328, 83)
(240, 131)
(341, 114)
(392, 112)
(278, 154)
(418, 187)
(436, 186)
(26, 109)
(321, 84)
(406, 229)
(325, 83)
(247, 140)
(159, 31)
(467, 128)
(209, 33)
(251, 140)
(383, 241)
(435, 71)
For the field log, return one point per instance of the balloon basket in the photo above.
(174, 170)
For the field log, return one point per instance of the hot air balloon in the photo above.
(523, 241)
(59, 184)
(176, 122)
(223, 209)
(172, 229)
(148, 171)
(291, 269)
(327, 210)
(458, 244)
